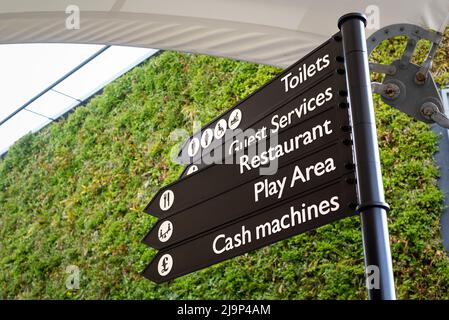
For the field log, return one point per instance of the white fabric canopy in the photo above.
(275, 32)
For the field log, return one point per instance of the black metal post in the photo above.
(372, 207)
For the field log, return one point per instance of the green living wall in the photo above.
(73, 194)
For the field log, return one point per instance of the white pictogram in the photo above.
(207, 137)
(220, 129)
(166, 200)
(193, 168)
(165, 264)
(234, 119)
(193, 147)
(165, 231)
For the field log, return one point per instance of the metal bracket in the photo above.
(408, 87)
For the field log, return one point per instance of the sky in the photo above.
(28, 69)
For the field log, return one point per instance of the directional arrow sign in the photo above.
(296, 127)
(309, 120)
(290, 180)
(297, 215)
(297, 79)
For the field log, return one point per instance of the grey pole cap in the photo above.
(352, 15)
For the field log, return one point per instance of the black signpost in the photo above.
(372, 206)
(302, 123)
(325, 124)
(321, 206)
(293, 179)
(295, 80)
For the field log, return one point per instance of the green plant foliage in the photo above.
(74, 193)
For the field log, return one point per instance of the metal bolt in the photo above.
(349, 166)
(428, 109)
(351, 181)
(391, 91)
(420, 77)
(343, 93)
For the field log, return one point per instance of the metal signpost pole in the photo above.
(372, 207)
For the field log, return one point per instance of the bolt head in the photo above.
(391, 91)
(420, 77)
